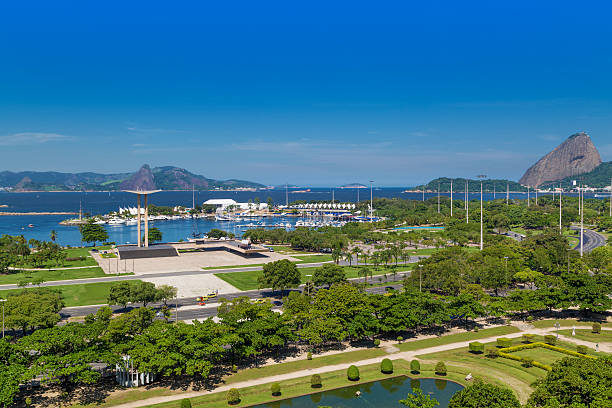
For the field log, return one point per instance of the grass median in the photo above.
(78, 295)
(248, 280)
(52, 275)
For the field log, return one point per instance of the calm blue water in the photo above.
(103, 203)
(380, 394)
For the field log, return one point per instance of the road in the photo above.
(188, 308)
(592, 239)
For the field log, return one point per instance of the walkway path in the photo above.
(406, 355)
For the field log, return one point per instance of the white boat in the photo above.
(222, 218)
(116, 221)
(131, 221)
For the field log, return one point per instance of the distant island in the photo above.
(353, 185)
(488, 185)
(158, 178)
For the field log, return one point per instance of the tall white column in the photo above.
(139, 221)
(146, 214)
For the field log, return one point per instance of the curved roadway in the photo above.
(592, 239)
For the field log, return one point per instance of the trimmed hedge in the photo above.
(528, 338)
(233, 396)
(315, 381)
(550, 339)
(504, 342)
(415, 366)
(386, 366)
(597, 328)
(476, 347)
(492, 352)
(507, 353)
(376, 342)
(527, 361)
(275, 389)
(186, 403)
(582, 349)
(441, 368)
(352, 373)
(309, 356)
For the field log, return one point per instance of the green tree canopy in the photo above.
(281, 275)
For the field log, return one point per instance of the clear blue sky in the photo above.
(313, 93)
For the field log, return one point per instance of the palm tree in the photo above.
(53, 235)
(348, 256)
(336, 255)
(356, 251)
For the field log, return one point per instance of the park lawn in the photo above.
(313, 258)
(248, 280)
(587, 335)
(74, 253)
(286, 250)
(456, 338)
(302, 260)
(52, 275)
(543, 324)
(78, 295)
(542, 355)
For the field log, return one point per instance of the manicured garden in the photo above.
(587, 335)
(51, 275)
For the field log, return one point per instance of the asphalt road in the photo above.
(592, 239)
(201, 312)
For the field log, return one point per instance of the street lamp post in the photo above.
(371, 201)
(420, 278)
(557, 326)
(481, 176)
(2, 300)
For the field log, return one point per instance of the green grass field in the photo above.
(543, 324)
(74, 253)
(587, 335)
(457, 337)
(52, 275)
(248, 280)
(78, 295)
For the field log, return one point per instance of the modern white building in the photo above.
(223, 203)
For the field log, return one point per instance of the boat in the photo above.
(602, 195)
(222, 218)
(30, 225)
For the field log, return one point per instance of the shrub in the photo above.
(597, 328)
(582, 349)
(386, 366)
(476, 347)
(504, 342)
(400, 339)
(441, 368)
(186, 403)
(377, 342)
(233, 396)
(28, 401)
(275, 389)
(476, 329)
(309, 356)
(527, 362)
(492, 352)
(550, 339)
(352, 373)
(415, 366)
(530, 318)
(528, 338)
(315, 381)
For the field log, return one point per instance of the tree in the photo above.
(155, 234)
(419, 400)
(352, 373)
(143, 292)
(575, 382)
(119, 294)
(33, 308)
(281, 275)
(328, 274)
(92, 232)
(233, 396)
(483, 395)
(165, 293)
(53, 235)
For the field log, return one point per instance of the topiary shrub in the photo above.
(504, 342)
(315, 381)
(234, 368)
(492, 352)
(309, 356)
(28, 401)
(530, 319)
(275, 389)
(376, 342)
(527, 362)
(400, 339)
(186, 403)
(582, 349)
(386, 366)
(233, 396)
(476, 347)
(352, 373)
(415, 366)
(596, 328)
(441, 368)
(550, 339)
(528, 338)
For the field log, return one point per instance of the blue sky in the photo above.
(313, 93)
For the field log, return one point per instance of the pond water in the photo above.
(380, 394)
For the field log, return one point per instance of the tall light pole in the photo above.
(438, 198)
(611, 197)
(2, 300)
(420, 278)
(560, 213)
(481, 176)
(451, 188)
(371, 201)
(467, 200)
(581, 199)
(507, 193)
(528, 196)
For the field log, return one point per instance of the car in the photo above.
(388, 288)
(260, 300)
(211, 295)
(271, 249)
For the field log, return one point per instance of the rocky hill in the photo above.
(575, 156)
(600, 177)
(162, 178)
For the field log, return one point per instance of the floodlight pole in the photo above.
(481, 219)
(438, 198)
(581, 199)
(467, 205)
(560, 213)
(2, 300)
(371, 201)
(451, 197)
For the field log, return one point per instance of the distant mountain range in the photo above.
(160, 178)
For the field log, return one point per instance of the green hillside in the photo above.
(600, 177)
(488, 185)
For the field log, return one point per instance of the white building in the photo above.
(223, 203)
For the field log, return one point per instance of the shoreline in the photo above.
(37, 213)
